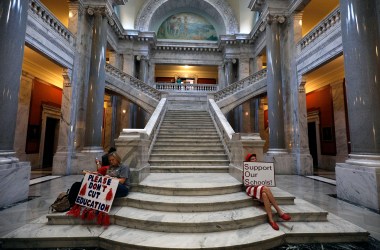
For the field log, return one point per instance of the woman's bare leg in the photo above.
(272, 200)
(267, 206)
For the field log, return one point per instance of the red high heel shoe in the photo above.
(274, 225)
(285, 216)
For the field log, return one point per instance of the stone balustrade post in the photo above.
(133, 147)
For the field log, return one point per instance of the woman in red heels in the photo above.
(264, 195)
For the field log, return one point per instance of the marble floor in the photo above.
(321, 194)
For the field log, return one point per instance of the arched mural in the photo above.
(153, 12)
(187, 26)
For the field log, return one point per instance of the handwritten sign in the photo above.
(258, 173)
(97, 192)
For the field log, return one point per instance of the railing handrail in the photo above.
(48, 17)
(152, 92)
(237, 86)
(227, 129)
(188, 87)
(320, 28)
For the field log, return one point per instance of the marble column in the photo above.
(254, 116)
(274, 89)
(340, 121)
(72, 125)
(25, 95)
(228, 71)
(95, 98)
(221, 77)
(12, 38)
(14, 175)
(143, 74)
(115, 101)
(358, 180)
(151, 80)
(244, 109)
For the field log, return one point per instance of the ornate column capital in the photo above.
(301, 84)
(67, 75)
(275, 19)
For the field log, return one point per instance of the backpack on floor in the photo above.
(62, 203)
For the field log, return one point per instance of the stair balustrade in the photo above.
(167, 86)
(331, 20)
(134, 82)
(239, 85)
(135, 145)
(237, 145)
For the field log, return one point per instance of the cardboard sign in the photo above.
(97, 192)
(258, 173)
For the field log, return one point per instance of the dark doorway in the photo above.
(312, 134)
(50, 144)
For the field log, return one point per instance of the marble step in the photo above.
(188, 118)
(194, 122)
(188, 150)
(199, 222)
(186, 140)
(188, 136)
(188, 144)
(184, 157)
(189, 169)
(189, 184)
(185, 128)
(189, 162)
(210, 131)
(202, 203)
(42, 235)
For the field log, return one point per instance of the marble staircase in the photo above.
(188, 203)
(188, 138)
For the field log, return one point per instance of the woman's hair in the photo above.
(115, 155)
(249, 156)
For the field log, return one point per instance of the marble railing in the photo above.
(40, 10)
(239, 85)
(134, 82)
(332, 19)
(135, 145)
(186, 87)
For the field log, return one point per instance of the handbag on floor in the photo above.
(62, 203)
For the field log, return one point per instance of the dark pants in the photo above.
(121, 191)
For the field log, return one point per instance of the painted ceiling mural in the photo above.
(187, 26)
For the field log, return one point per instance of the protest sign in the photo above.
(97, 192)
(258, 173)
